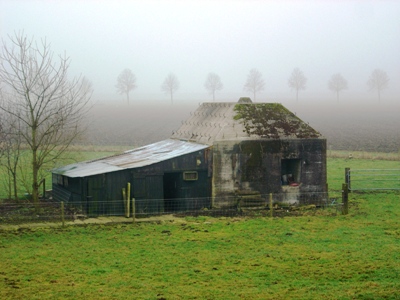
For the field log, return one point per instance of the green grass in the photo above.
(336, 168)
(320, 255)
(309, 257)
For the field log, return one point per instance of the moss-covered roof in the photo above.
(231, 120)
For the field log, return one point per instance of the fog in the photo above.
(193, 38)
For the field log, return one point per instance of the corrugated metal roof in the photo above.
(136, 158)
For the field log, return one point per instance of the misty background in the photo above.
(193, 38)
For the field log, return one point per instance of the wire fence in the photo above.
(372, 179)
(281, 204)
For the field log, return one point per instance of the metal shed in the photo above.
(161, 174)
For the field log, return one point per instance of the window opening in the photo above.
(190, 176)
(290, 171)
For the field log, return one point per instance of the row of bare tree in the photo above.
(378, 81)
(41, 111)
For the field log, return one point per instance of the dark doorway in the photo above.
(172, 184)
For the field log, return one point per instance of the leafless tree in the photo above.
(11, 151)
(170, 86)
(48, 106)
(378, 81)
(213, 83)
(297, 81)
(254, 82)
(126, 82)
(336, 84)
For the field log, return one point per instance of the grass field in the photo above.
(320, 255)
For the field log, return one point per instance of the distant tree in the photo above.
(297, 81)
(378, 81)
(126, 82)
(254, 82)
(336, 84)
(213, 83)
(48, 107)
(170, 86)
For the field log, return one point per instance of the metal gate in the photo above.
(372, 179)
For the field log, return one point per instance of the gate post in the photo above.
(345, 199)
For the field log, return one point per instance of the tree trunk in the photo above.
(127, 97)
(15, 185)
(35, 185)
(9, 185)
(35, 168)
(172, 98)
(297, 95)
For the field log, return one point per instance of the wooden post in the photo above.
(128, 196)
(124, 199)
(271, 208)
(347, 177)
(133, 210)
(62, 214)
(345, 199)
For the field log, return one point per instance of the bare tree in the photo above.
(10, 151)
(378, 81)
(336, 84)
(254, 82)
(170, 86)
(297, 81)
(213, 83)
(48, 106)
(126, 82)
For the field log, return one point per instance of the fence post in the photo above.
(271, 209)
(62, 214)
(347, 177)
(124, 199)
(345, 199)
(133, 210)
(128, 196)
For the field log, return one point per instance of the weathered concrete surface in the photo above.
(258, 165)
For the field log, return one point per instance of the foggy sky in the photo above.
(193, 38)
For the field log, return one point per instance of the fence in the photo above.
(372, 179)
(266, 205)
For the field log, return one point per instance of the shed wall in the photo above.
(102, 194)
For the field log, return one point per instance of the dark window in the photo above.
(290, 171)
(190, 176)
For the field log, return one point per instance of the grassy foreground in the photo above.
(320, 255)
